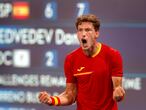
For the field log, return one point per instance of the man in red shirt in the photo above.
(93, 72)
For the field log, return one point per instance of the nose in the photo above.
(84, 34)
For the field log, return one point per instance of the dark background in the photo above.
(123, 26)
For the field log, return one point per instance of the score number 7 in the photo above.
(83, 8)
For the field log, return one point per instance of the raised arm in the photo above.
(66, 98)
(119, 92)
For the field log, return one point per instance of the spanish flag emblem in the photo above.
(20, 10)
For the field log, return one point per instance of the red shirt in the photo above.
(93, 77)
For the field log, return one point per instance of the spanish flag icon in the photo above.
(20, 10)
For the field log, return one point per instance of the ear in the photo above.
(97, 34)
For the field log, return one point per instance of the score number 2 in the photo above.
(51, 59)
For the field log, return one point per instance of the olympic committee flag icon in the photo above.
(21, 58)
(20, 10)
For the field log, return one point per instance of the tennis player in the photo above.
(93, 72)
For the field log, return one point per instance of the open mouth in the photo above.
(84, 41)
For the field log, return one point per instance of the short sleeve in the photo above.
(68, 70)
(116, 63)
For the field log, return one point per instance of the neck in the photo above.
(91, 51)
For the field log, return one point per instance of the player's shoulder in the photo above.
(109, 49)
(74, 53)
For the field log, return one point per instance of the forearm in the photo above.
(118, 90)
(68, 96)
(117, 81)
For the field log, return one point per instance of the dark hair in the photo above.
(88, 18)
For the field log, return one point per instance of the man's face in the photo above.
(87, 35)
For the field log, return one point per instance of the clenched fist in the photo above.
(45, 98)
(118, 93)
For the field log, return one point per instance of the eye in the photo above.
(80, 30)
(88, 29)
